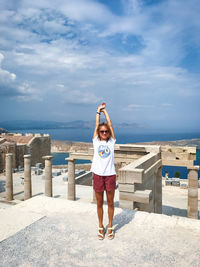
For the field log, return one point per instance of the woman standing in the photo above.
(104, 175)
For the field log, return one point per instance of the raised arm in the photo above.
(99, 109)
(109, 122)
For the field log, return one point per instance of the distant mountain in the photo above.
(26, 124)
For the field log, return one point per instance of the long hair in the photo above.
(108, 128)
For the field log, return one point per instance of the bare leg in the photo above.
(110, 201)
(99, 197)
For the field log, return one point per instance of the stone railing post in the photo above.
(158, 191)
(27, 177)
(9, 177)
(192, 211)
(71, 180)
(48, 176)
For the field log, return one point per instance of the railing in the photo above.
(140, 184)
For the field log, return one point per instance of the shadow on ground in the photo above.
(123, 218)
(2, 186)
(168, 210)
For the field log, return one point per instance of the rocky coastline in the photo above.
(58, 146)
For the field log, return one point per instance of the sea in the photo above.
(123, 136)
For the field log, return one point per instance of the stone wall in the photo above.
(21, 150)
(38, 147)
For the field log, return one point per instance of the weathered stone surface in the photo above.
(27, 177)
(48, 176)
(9, 177)
(130, 176)
(153, 169)
(146, 176)
(126, 188)
(181, 163)
(126, 204)
(193, 193)
(178, 153)
(71, 180)
(158, 191)
(137, 196)
(20, 145)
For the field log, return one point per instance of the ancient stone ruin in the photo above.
(37, 145)
(139, 172)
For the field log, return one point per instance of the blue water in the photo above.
(123, 136)
(59, 159)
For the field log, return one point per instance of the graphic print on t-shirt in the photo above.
(103, 151)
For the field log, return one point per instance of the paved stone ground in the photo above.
(64, 233)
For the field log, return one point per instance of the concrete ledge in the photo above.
(130, 176)
(126, 188)
(152, 169)
(141, 196)
(178, 163)
(126, 204)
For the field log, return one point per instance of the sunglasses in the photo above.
(104, 131)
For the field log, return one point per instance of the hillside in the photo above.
(185, 142)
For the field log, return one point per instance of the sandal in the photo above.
(111, 235)
(100, 235)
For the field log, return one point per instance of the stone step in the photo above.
(141, 196)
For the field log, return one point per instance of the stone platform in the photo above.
(46, 231)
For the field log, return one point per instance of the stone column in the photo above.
(71, 180)
(27, 177)
(9, 176)
(192, 211)
(48, 176)
(158, 191)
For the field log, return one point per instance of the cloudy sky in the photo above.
(60, 59)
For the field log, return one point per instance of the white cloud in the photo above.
(81, 49)
(132, 107)
(166, 105)
(10, 87)
(75, 96)
(7, 80)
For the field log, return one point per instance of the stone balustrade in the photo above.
(140, 184)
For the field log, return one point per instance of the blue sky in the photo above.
(60, 59)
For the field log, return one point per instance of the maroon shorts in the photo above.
(101, 183)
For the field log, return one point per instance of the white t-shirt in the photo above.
(103, 159)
